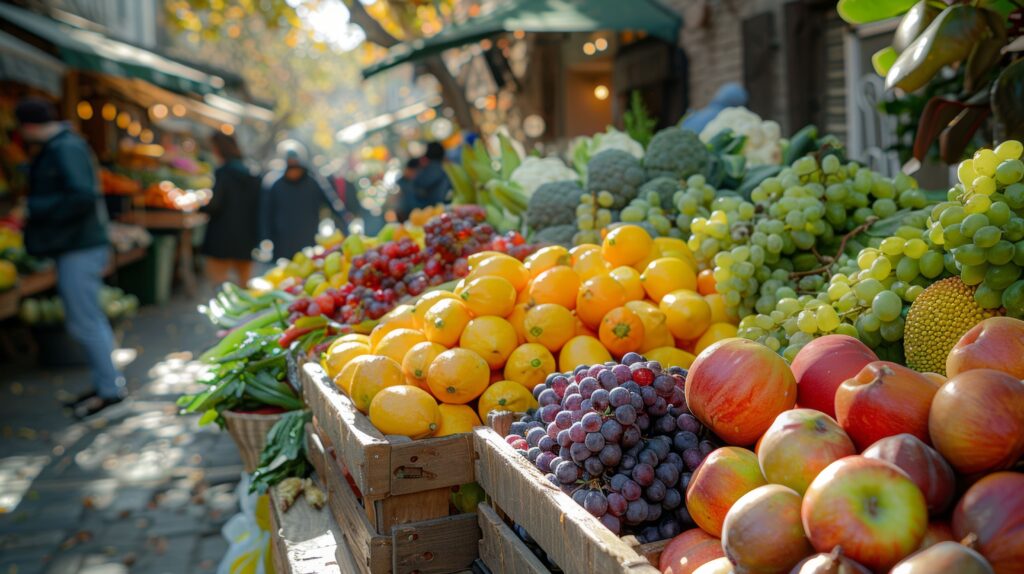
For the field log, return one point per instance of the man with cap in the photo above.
(293, 199)
(67, 221)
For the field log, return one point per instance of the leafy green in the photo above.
(284, 454)
(638, 121)
(864, 11)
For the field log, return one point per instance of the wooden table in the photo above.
(307, 541)
(180, 222)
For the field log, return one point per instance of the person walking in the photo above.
(233, 231)
(406, 200)
(293, 200)
(431, 185)
(67, 221)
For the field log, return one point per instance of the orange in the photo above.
(509, 268)
(550, 325)
(529, 365)
(688, 314)
(576, 252)
(456, 419)
(417, 361)
(459, 286)
(706, 282)
(405, 410)
(516, 319)
(626, 245)
(419, 309)
(524, 295)
(475, 259)
(665, 275)
(458, 376)
(506, 396)
(670, 356)
(716, 332)
(398, 342)
(556, 285)
(353, 338)
(393, 320)
(621, 331)
(493, 338)
(675, 247)
(339, 355)
(582, 329)
(720, 312)
(629, 278)
(445, 321)
(489, 295)
(596, 297)
(656, 333)
(545, 258)
(582, 350)
(343, 380)
(371, 376)
(655, 253)
(590, 264)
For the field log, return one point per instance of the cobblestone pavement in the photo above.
(137, 489)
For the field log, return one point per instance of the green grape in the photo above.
(1009, 171)
(978, 204)
(987, 236)
(999, 214)
(935, 234)
(887, 306)
(973, 274)
(743, 269)
(604, 218)
(1001, 253)
(1009, 149)
(884, 208)
(951, 215)
(1013, 299)
(605, 199)
(950, 263)
(787, 293)
(807, 322)
(870, 322)
(972, 223)
(1018, 253)
(892, 331)
(907, 269)
(881, 268)
(965, 171)
(773, 344)
(587, 199)
(987, 297)
(846, 302)
(893, 245)
(912, 292)
(775, 243)
(660, 223)
(985, 162)
(732, 299)
(584, 211)
(585, 223)
(883, 188)
(804, 166)
(790, 352)
(1014, 195)
(830, 164)
(846, 329)
(984, 185)
(999, 277)
(764, 322)
(632, 214)
(915, 248)
(827, 318)
(867, 289)
(866, 257)
(837, 290)
(970, 254)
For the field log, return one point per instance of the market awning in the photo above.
(540, 16)
(239, 108)
(92, 51)
(26, 64)
(356, 132)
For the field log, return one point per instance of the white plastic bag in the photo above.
(248, 535)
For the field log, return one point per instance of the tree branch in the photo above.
(371, 27)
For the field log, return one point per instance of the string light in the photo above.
(124, 119)
(159, 111)
(601, 44)
(146, 136)
(85, 110)
(109, 112)
(178, 110)
(601, 92)
(134, 129)
(227, 129)
(589, 49)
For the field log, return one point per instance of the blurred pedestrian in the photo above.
(348, 194)
(233, 231)
(730, 95)
(431, 185)
(67, 221)
(407, 189)
(293, 200)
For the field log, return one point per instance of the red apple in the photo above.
(688, 551)
(929, 471)
(868, 507)
(725, 475)
(831, 563)
(882, 400)
(737, 387)
(938, 531)
(823, 364)
(991, 517)
(944, 557)
(763, 532)
(716, 566)
(995, 343)
(977, 421)
(798, 445)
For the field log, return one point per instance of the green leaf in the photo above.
(985, 55)
(883, 59)
(913, 23)
(947, 40)
(208, 417)
(864, 11)
(1008, 100)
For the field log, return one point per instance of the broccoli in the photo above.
(665, 188)
(676, 153)
(559, 234)
(553, 204)
(617, 172)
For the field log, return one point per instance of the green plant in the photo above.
(638, 121)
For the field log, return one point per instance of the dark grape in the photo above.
(636, 511)
(630, 358)
(692, 457)
(559, 385)
(596, 370)
(552, 479)
(599, 400)
(648, 456)
(706, 447)
(669, 528)
(580, 371)
(586, 406)
(553, 431)
(643, 474)
(685, 440)
(563, 438)
(616, 481)
(688, 422)
(622, 373)
(533, 436)
(655, 492)
(544, 461)
(579, 452)
(665, 424)
(591, 422)
(518, 428)
(608, 380)
(555, 461)
(572, 402)
(532, 454)
(618, 397)
(587, 386)
(675, 460)
(595, 503)
(637, 400)
(567, 472)
(547, 397)
(626, 415)
(547, 443)
(683, 516)
(538, 390)
(617, 504)
(659, 408)
(678, 398)
(594, 441)
(653, 512)
(630, 435)
(664, 385)
(612, 430)
(631, 490)
(564, 453)
(667, 473)
(572, 389)
(643, 421)
(684, 480)
(612, 523)
(627, 462)
(648, 395)
(654, 366)
(594, 466)
(563, 419)
(579, 495)
(577, 433)
(661, 445)
(547, 414)
(610, 455)
(631, 386)
(672, 499)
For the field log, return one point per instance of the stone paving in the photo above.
(137, 489)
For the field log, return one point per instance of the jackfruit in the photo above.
(937, 319)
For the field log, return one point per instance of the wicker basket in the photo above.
(249, 431)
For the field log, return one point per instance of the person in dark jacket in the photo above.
(233, 231)
(431, 185)
(67, 221)
(293, 200)
(406, 200)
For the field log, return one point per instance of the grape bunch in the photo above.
(453, 236)
(619, 439)
(593, 213)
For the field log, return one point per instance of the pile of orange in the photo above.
(456, 356)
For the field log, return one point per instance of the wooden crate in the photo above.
(570, 536)
(305, 540)
(440, 545)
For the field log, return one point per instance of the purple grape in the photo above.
(563, 419)
(547, 397)
(622, 373)
(617, 504)
(577, 433)
(544, 461)
(662, 445)
(631, 386)
(706, 447)
(665, 424)
(579, 452)
(607, 380)
(626, 415)
(548, 413)
(593, 466)
(667, 473)
(591, 422)
(648, 395)
(563, 438)
(630, 436)
(553, 430)
(555, 461)
(533, 436)
(532, 454)
(599, 400)
(618, 397)
(559, 384)
(611, 430)
(684, 480)
(594, 441)
(552, 479)
(672, 499)
(653, 512)
(629, 358)
(610, 455)
(616, 481)
(612, 523)
(547, 444)
(564, 453)
(669, 528)
(654, 366)
(577, 416)
(684, 441)
(631, 490)
(588, 386)
(659, 408)
(648, 534)
(663, 385)
(637, 400)
(683, 516)
(523, 453)
(586, 406)
(596, 370)
(572, 402)
(689, 423)
(581, 369)
(572, 389)
(567, 472)
(568, 488)
(627, 462)
(647, 456)
(538, 390)
(643, 421)
(675, 460)
(643, 474)
(678, 398)
(636, 511)
(534, 424)
(692, 457)
(595, 503)
(655, 492)
(579, 495)
(518, 428)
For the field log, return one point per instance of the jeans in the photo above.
(79, 277)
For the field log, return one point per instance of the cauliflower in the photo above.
(560, 234)
(676, 153)
(665, 188)
(617, 172)
(763, 146)
(609, 139)
(535, 172)
(553, 204)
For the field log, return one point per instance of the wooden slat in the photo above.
(571, 537)
(500, 548)
(431, 463)
(405, 508)
(436, 546)
(306, 540)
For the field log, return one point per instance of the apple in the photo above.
(945, 557)
(762, 531)
(716, 566)
(995, 343)
(926, 467)
(688, 551)
(990, 516)
(737, 387)
(798, 445)
(831, 563)
(977, 421)
(882, 400)
(823, 364)
(725, 475)
(938, 531)
(868, 507)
